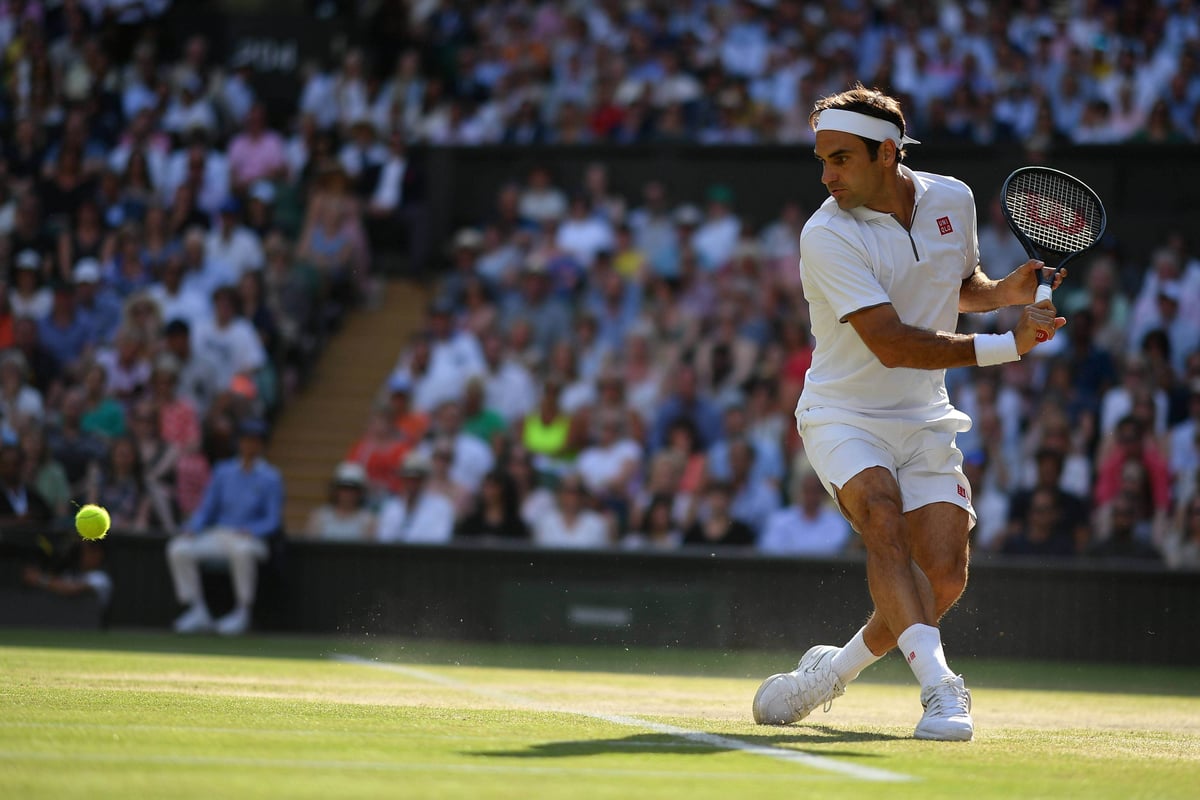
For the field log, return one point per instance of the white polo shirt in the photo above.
(856, 259)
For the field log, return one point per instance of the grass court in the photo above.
(144, 715)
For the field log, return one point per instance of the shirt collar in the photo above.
(864, 214)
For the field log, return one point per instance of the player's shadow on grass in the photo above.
(667, 743)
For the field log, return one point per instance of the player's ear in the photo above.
(887, 151)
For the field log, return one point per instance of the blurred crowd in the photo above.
(171, 261)
(747, 71)
(596, 369)
(607, 371)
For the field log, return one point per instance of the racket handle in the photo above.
(1043, 293)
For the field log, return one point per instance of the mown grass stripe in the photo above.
(713, 740)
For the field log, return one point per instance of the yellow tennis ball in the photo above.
(92, 522)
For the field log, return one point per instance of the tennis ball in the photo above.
(92, 522)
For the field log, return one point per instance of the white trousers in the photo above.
(221, 545)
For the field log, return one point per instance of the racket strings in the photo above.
(1056, 214)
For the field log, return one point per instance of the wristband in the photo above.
(995, 348)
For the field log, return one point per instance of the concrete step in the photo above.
(318, 427)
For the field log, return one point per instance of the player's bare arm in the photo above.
(980, 293)
(897, 344)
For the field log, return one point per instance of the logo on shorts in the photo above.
(912, 656)
(944, 226)
(961, 491)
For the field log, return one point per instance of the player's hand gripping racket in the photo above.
(1055, 216)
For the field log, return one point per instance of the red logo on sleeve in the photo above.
(961, 491)
(944, 225)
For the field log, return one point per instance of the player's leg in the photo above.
(871, 501)
(840, 454)
(939, 535)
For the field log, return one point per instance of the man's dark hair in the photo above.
(873, 103)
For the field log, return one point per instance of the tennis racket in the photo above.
(1055, 216)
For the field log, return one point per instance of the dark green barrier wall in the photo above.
(1147, 190)
(693, 600)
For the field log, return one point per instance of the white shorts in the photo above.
(921, 455)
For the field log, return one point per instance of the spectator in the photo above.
(119, 486)
(611, 464)
(810, 526)
(125, 364)
(158, 462)
(241, 510)
(1184, 448)
(658, 530)
(398, 197)
(1183, 546)
(1123, 540)
(232, 245)
(96, 306)
(686, 402)
(471, 458)
(1133, 445)
(546, 432)
(19, 500)
(78, 450)
(715, 525)
(509, 387)
(63, 332)
(345, 517)
(84, 575)
(20, 403)
(541, 200)
(104, 415)
(570, 523)
(1043, 533)
(479, 420)
(717, 237)
(497, 514)
(381, 451)
(28, 297)
(533, 498)
(416, 378)
(256, 153)
(197, 378)
(754, 498)
(229, 341)
(418, 514)
(43, 473)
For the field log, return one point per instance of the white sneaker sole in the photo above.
(958, 733)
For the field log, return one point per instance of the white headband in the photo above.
(866, 126)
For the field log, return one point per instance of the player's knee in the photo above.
(881, 524)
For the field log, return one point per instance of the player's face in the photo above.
(847, 170)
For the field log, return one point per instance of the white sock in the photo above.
(922, 649)
(853, 658)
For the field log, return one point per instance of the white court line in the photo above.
(711, 739)
(376, 766)
(319, 732)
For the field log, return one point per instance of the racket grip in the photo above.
(1043, 293)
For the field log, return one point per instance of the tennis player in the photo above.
(888, 262)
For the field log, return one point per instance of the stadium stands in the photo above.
(177, 249)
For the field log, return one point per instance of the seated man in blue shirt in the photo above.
(242, 507)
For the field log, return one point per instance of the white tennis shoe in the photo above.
(791, 696)
(195, 620)
(947, 712)
(235, 623)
